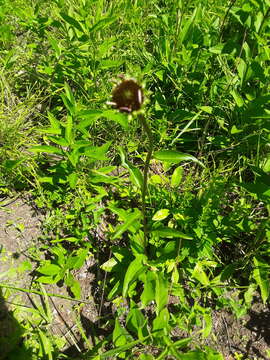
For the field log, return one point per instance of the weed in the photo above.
(170, 198)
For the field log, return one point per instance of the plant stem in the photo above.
(145, 173)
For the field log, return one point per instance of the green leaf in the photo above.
(182, 343)
(137, 242)
(122, 348)
(89, 116)
(73, 157)
(227, 272)
(76, 262)
(55, 128)
(115, 290)
(177, 176)
(169, 249)
(46, 149)
(237, 98)
(168, 232)
(135, 268)
(175, 157)
(69, 279)
(97, 152)
(49, 269)
(187, 28)
(235, 130)
(72, 179)
(109, 265)
(146, 357)
(11, 164)
(200, 275)
(161, 291)
(120, 229)
(135, 174)
(120, 336)
(71, 21)
(261, 276)
(46, 179)
(148, 293)
(54, 45)
(107, 64)
(217, 49)
(175, 275)
(207, 324)
(97, 177)
(47, 280)
(241, 68)
(266, 166)
(201, 355)
(55, 124)
(76, 289)
(136, 322)
(249, 294)
(69, 106)
(161, 214)
(261, 189)
(58, 140)
(103, 23)
(161, 321)
(68, 239)
(73, 284)
(69, 95)
(118, 117)
(46, 344)
(106, 169)
(68, 130)
(207, 109)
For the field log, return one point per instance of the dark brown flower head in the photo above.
(127, 96)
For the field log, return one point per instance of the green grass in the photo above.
(200, 234)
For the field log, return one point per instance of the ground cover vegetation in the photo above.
(171, 200)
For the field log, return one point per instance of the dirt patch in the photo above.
(19, 232)
(248, 336)
(19, 226)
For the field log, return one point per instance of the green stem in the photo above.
(145, 173)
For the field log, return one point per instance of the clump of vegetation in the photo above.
(168, 190)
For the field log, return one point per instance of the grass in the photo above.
(178, 227)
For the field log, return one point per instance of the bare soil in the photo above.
(248, 336)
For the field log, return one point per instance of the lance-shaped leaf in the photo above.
(161, 214)
(46, 149)
(200, 275)
(175, 157)
(55, 127)
(167, 232)
(161, 291)
(71, 21)
(135, 174)
(136, 268)
(118, 117)
(97, 152)
(102, 23)
(177, 176)
(118, 350)
(261, 276)
(124, 227)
